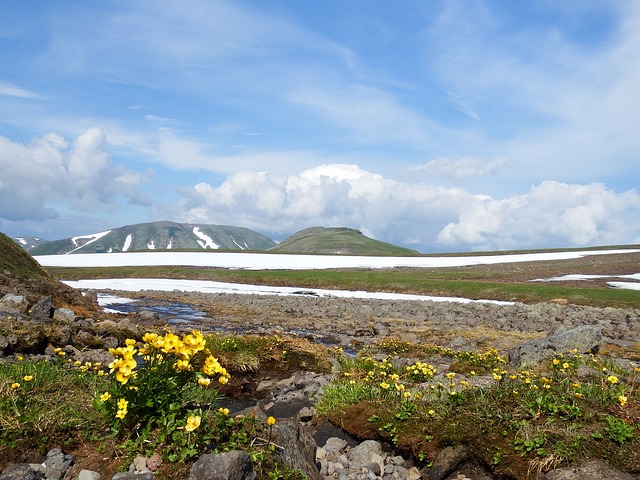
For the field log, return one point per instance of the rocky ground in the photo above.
(352, 323)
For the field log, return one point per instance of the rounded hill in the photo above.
(338, 241)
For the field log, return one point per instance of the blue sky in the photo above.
(440, 126)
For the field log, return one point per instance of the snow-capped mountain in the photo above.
(157, 236)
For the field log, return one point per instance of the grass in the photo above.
(170, 409)
(567, 409)
(507, 282)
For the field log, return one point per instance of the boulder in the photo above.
(43, 310)
(233, 465)
(14, 303)
(298, 447)
(584, 339)
(448, 460)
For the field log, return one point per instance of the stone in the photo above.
(233, 465)
(447, 461)
(595, 469)
(584, 339)
(133, 476)
(298, 447)
(64, 315)
(88, 475)
(14, 303)
(42, 311)
(21, 471)
(56, 464)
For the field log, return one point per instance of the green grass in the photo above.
(523, 422)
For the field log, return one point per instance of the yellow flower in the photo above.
(223, 380)
(384, 385)
(15, 385)
(193, 422)
(497, 377)
(623, 400)
(28, 378)
(204, 381)
(122, 408)
(271, 421)
(556, 361)
(565, 365)
(105, 396)
(224, 411)
(19, 358)
(431, 412)
(450, 375)
(612, 379)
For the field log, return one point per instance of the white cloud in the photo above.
(429, 218)
(13, 91)
(46, 173)
(550, 214)
(458, 169)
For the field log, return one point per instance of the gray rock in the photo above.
(64, 315)
(42, 311)
(584, 339)
(21, 471)
(56, 464)
(133, 476)
(447, 461)
(88, 475)
(595, 469)
(234, 465)
(14, 303)
(298, 447)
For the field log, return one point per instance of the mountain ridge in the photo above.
(162, 235)
(165, 235)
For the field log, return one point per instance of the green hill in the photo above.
(338, 241)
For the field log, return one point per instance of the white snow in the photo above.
(237, 244)
(127, 243)
(625, 285)
(21, 240)
(578, 277)
(92, 237)
(205, 286)
(269, 261)
(170, 245)
(151, 245)
(206, 240)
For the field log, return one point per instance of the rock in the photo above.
(447, 461)
(584, 339)
(88, 475)
(21, 471)
(133, 476)
(233, 465)
(14, 303)
(595, 469)
(56, 464)
(367, 452)
(64, 315)
(42, 311)
(298, 447)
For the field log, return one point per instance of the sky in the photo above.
(441, 125)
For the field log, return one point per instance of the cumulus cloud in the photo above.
(47, 172)
(551, 213)
(424, 217)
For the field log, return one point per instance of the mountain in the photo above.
(338, 241)
(159, 236)
(29, 243)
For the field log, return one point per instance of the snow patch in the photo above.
(93, 238)
(170, 245)
(127, 243)
(21, 240)
(237, 244)
(206, 240)
(151, 245)
(205, 286)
